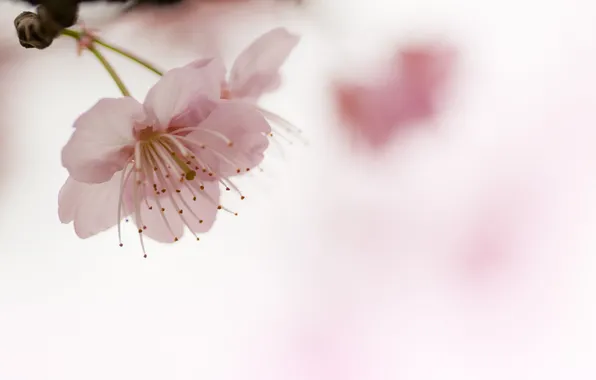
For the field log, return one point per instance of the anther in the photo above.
(202, 187)
(191, 175)
(163, 209)
(242, 197)
(194, 198)
(140, 231)
(177, 190)
(175, 239)
(179, 211)
(219, 207)
(121, 244)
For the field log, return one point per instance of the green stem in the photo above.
(71, 33)
(115, 49)
(110, 70)
(77, 36)
(128, 55)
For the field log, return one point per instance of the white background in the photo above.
(342, 264)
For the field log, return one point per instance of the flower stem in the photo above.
(128, 55)
(77, 36)
(110, 70)
(115, 49)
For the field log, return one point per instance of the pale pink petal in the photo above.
(199, 109)
(176, 90)
(234, 136)
(68, 199)
(214, 65)
(92, 207)
(102, 141)
(256, 70)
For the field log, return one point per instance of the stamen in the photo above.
(138, 155)
(189, 173)
(217, 153)
(148, 157)
(219, 135)
(138, 211)
(181, 148)
(160, 161)
(275, 118)
(227, 182)
(123, 180)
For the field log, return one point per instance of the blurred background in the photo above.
(429, 230)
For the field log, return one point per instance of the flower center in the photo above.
(159, 141)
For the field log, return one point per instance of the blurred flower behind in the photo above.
(400, 96)
(466, 254)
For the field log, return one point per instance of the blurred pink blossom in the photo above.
(405, 94)
(161, 161)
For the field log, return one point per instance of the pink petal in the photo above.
(179, 87)
(256, 69)
(199, 109)
(68, 200)
(102, 140)
(244, 131)
(92, 207)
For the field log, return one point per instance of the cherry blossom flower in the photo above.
(408, 94)
(162, 161)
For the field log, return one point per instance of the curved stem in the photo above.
(128, 55)
(115, 49)
(104, 62)
(110, 70)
